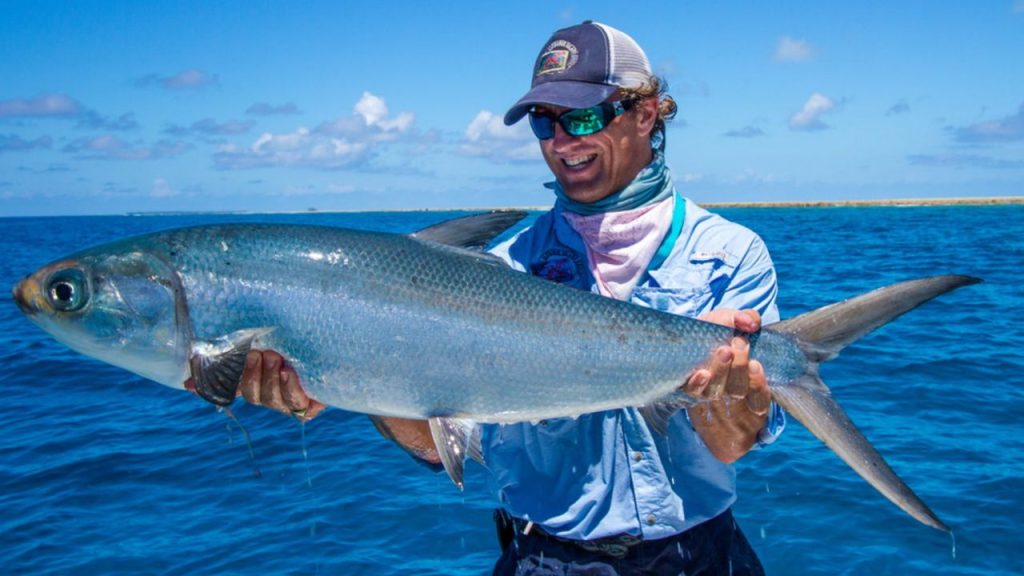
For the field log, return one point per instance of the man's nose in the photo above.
(561, 137)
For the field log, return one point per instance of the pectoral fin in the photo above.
(657, 414)
(217, 366)
(455, 439)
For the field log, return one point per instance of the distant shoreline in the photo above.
(981, 201)
(896, 202)
(966, 201)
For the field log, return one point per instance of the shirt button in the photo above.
(637, 456)
(651, 520)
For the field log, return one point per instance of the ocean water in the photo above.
(104, 473)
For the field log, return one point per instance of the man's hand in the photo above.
(269, 381)
(734, 390)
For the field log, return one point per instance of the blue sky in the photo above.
(111, 107)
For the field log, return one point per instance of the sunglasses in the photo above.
(578, 122)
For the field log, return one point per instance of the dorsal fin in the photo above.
(471, 232)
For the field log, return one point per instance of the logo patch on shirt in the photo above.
(559, 56)
(558, 265)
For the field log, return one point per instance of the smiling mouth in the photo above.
(579, 161)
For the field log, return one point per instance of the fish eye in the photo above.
(67, 290)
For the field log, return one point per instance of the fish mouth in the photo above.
(27, 295)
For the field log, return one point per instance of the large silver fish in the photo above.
(421, 326)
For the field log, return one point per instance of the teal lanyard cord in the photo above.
(678, 212)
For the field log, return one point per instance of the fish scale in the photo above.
(339, 300)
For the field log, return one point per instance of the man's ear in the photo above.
(647, 115)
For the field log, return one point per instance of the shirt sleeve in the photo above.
(754, 286)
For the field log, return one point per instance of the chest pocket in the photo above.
(689, 289)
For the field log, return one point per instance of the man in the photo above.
(602, 493)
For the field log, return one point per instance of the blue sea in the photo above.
(102, 472)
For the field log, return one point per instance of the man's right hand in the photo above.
(269, 381)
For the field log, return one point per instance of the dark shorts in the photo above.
(713, 547)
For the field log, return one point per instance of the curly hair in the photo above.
(655, 87)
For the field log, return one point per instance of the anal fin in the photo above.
(455, 439)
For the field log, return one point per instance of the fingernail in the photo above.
(755, 368)
(702, 379)
(740, 344)
(286, 377)
(724, 355)
(251, 358)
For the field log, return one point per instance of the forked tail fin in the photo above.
(821, 334)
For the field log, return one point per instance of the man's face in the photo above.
(593, 167)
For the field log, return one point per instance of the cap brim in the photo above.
(562, 93)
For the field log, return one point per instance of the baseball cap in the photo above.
(581, 66)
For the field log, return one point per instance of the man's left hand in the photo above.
(733, 388)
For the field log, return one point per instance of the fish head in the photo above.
(123, 307)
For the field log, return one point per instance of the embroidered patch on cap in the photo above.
(559, 56)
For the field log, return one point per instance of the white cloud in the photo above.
(898, 108)
(809, 117)
(955, 160)
(210, 128)
(161, 189)
(374, 112)
(487, 136)
(749, 131)
(62, 106)
(265, 109)
(1007, 129)
(92, 120)
(190, 79)
(343, 143)
(792, 50)
(751, 177)
(114, 148)
(13, 142)
(44, 105)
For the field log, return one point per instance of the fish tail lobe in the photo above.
(821, 334)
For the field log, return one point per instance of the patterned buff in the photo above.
(623, 234)
(652, 184)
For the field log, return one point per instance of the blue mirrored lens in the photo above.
(579, 122)
(543, 126)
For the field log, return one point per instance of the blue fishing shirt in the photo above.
(606, 473)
